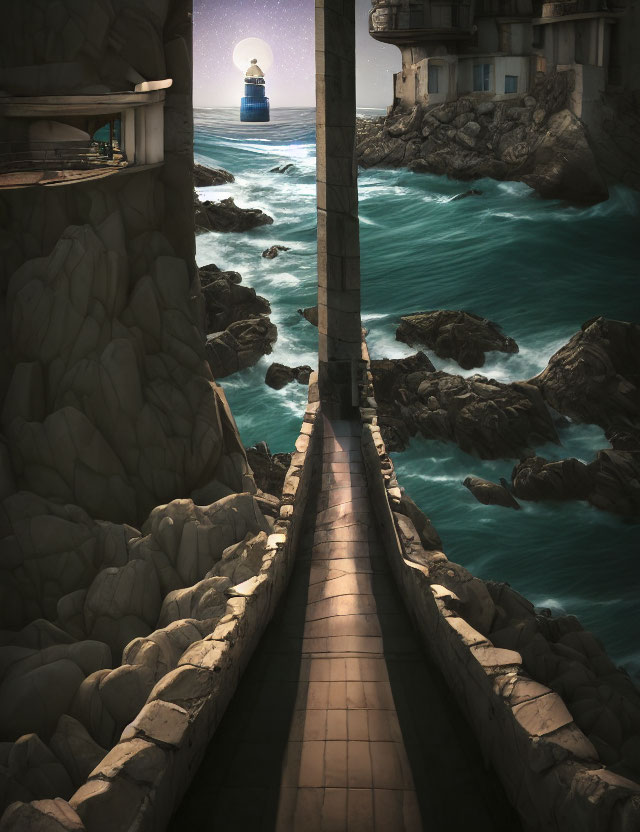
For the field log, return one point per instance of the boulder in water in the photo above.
(463, 336)
(310, 314)
(282, 168)
(595, 377)
(274, 251)
(482, 416)
(279, 375)
(535, 478)
(490, 493)
(610, 483)
(204, 177)
(615, 479)
(226, 301)
(241, 345)
(226, 216)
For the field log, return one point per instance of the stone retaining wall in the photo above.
(550, 770)
(142, 779)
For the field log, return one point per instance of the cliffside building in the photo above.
(496, 48)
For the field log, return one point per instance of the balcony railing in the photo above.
(397, 22)
(36, 156)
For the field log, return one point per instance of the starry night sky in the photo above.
(288, 27)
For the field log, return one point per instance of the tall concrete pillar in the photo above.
(339, 326)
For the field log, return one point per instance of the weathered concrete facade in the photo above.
(338, 236)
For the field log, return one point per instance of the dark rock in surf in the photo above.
(595, 377)
(489, 493)
(226, 301)
(460, 335)
(535, 478)
(615, 479)
(240, 345)
(482, 416)
(274, 251)
(610, 483)
(204, 177)
(282, 168)
(227, 217)
(310, 314)
(535, 139)
(279, 375)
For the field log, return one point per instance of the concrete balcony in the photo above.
(391, 22)
(56, 139)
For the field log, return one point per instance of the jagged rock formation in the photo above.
(162, 589)
(595, 377)
(278, 375)
(238, 330)
(105, 373)
(226, 216)
(269, 470)
(429, 537)
(204, 177)
(533, 140)
(463, 336)
(611, 482)
(310, 314)
(535, 478)
(490, 493)
(240, 345)
(483, 416)
(123, 481)
(226, 301)
(283, 168)
(273, 252)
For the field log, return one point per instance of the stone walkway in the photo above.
(340, 724)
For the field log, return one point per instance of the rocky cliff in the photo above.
(126, 500)
(535, 140)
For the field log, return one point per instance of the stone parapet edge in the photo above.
(548, 767)
(140, 782)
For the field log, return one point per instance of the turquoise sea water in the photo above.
(538, 268)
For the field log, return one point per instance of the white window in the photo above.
(511, 83)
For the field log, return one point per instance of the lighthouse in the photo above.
(254, 105)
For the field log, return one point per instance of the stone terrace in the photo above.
(340, 721)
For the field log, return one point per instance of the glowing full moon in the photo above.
(250, 48)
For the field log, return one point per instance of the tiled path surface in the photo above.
(340, 724)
